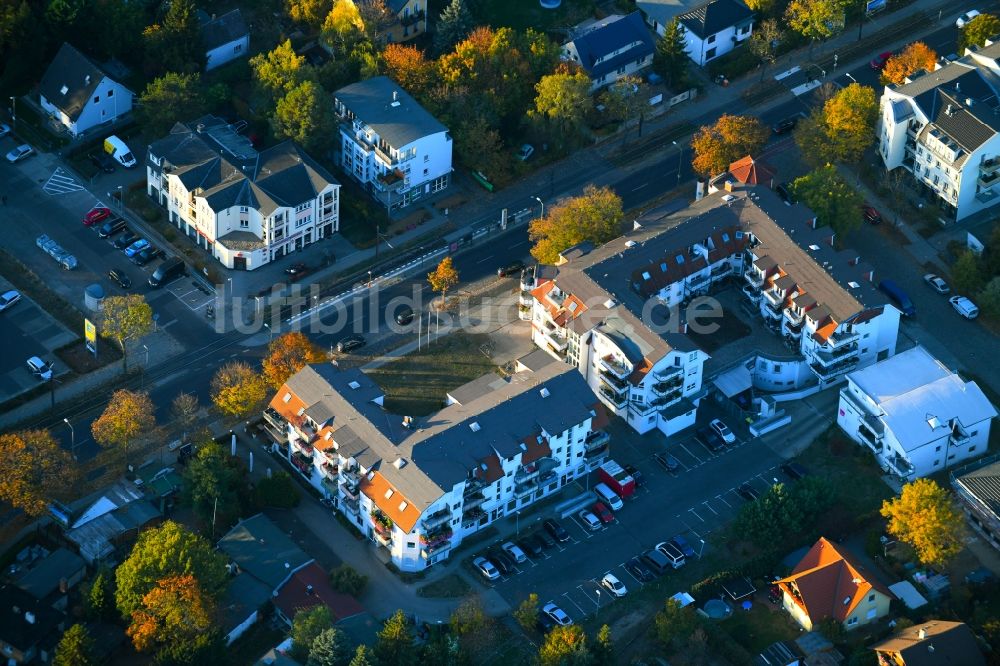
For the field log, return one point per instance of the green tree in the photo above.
(395, 642)
(345, 578)
(966, 274)
(476, 631)
(279, 70)
(207, 647)
(129, 414)
(363, 657)
(989, 298)
(174, 96)
(125, 318)
(214, 484)
(309, 12)
(732, 137)
(307, 625)
(849, 118)
(562, 103)
(603, 649)
(34, 469)
(594, 216)
(175, 45)
(626, 99)
(99, 596)
(279, 492)
(977, 31)
(330, 648)
(305, 115)
(479, 146)
(527, 612)
(63, 13)
(167, 550)
(990, 260)
(833, 200)
(674, 623)
(565, 646)
(75, 648)
(237, 389)
(815, 19)
(926, 517)
(670, 60)
(454, 25)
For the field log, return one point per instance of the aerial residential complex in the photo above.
(418, 486)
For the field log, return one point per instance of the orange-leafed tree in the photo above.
(407, 66)
(237, 389)
(175, 610)
(730, 138)
(288, 354)
(33, 470)
(444, 277)
(915, 57)
(128, 415)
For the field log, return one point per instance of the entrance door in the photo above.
(240, 263)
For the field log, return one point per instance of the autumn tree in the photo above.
(443, 278)
(183, 409)
(237, 389)
(310, 12)
(343, 25)
(479, 146)
(563, 646)
(977, 31)
(761, 6)
(376, 17)
(674, 622)
(625, 100)
(307, 625)
(815, 19)
(407, 66)
(280, 70)
(331, 647)
(286, 355)
(594, 216)
(453, 25)
(175, 609)
(603, 648)
(214, 484)
(526, 613)
(966, 273)
(305, 115)
(670, 60)
(128, 415)
(843, 130)
(926, 517)
(395, 642)
(162, 552)
(764, 40)
(562, 103)
(717, 146)
(476, 631)
(833, 200)
(34, 469)
(75, 648)
(174, 96)
(914, 58)
(125, 318)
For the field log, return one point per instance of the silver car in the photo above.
(19, 153)
(4, 130)
(40, 368)
(8, 298)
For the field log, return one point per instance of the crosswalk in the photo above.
(60, 182)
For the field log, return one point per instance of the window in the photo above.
(97, 98)
(427, 158)
(411, 544)
(111, 93)
(511, 505)
(852, 621)
(871, 598)
(244, 224)
(238, 48)
(426, 171)
(709, 54)
(938, 448)
(710, 40)
(651, 419)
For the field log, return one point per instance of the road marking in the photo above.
(60, 182)
(636, 189)
(578, 606)
(787, 73)
(708, 506)
(720, 498)
(681, 444)
(696, 514)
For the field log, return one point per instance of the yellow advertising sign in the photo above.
(90, 335)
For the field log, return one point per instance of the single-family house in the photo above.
(225, 37)
(411, 19)
(932, 643)
(29, 629)
(915, 415)
(611, 48)
(76, 92)
(715, 28)
(829, 583)
(51, 576)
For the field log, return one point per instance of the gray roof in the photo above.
(106, 520)
(77, 74)
(221, 30)
(969, 126)
(44, 577)
(934, 643)
(715, 16)
(662, 11)
(263, 551)
(15, 630)
(477, 388)
(383, 105)
(536, 360)
(984, 484)
(244, 595)
(213, 160)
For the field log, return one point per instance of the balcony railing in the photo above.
(329, 485)
(752, 294)
(958, 438)
(663, 388)
(667, 399)
(435, 519)
(901, 465)
(669, 373)
(279, 422)
(430, 550)
(868, 437)
(989, 180)
(385, 540)
(472, 502)
(596, 439)
(793, 316)
(829, 372)
(614, 398)
(843, 338)
(753, 278)
(557, 343)
(613, 381)
(526, 473)
(302, 463)
(524, 489)
(774, 299)
(350, 490)
(617, 369)
(330, 470)
(350, 474)
(596, 452)
(838, 354)
(990, 166)
(350, 504)
(472, 486)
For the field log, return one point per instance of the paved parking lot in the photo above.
(694, 501)
(26, 330)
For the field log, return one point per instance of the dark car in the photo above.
(545, 622)
(871, 215)
(102, 161)
(544, 539)
(117, 275)
(784, 191)
(710, 439)
(110, 227)
(513, 268)
(502, 561)
(125, 240)
(681, 544)
(669, 463)
(296, 268)
(635, 474)
(786, 125)
(350, 343)
(794, 471)
(748, 492)
(557, 531)
(656, 561)
(529, 545)
(404, 315)
(639, 570)
(145, 255)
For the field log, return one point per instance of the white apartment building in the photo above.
(246, 208)
(79, 94)
(943, 128)
(611, 48)
(418, 486)
(916, 416)
(390, 144)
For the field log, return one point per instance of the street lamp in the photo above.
(702, 548)
(269, 333)
(542, 204)
(680, 156)
(598, 611)
(72, 438)
(13, 111)
(517, 523)
(848, 75)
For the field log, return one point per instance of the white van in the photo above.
(117, 149)
(608, 496)
(964, 307)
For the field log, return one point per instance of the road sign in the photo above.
(90, 336)
(873, 6)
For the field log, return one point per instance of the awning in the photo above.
(733, 382)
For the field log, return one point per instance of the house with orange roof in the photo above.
(418, 486)
(828, 582)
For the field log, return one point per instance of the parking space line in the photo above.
(596, 601)
(578, 606)
(681, 444)
(629, 573)
(710, 508)
(696, 514)
(721, 499)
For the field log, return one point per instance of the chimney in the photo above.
(63, 586)
(29, 617)
(309, 590)
(86, 79)
(395, 95)
(968, 101)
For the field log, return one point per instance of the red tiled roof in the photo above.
(377, 487)
(535, 450)
(752, 172)
(309, 587)
(600, 420)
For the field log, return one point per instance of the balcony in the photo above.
(382, 539)
(526, 473)
(436, 536)
(987, 181)
(349, 490)
(410, 19)
(669, 373)
(663, 388)
(472, 486)
(523, 490)
(277, 421)
(302, 463)
(793, 331)
(753, 295)
(442, 517)
(753, 278)
(472, 502)
(837, 355)
(843, 338)
(431, 550)
(829, 372)
(617, 369)
(667, 399)
(330, 471)
(350, 505)
(870, 439)
(557, 343)
(329, 485)
(472, 515)
(596, 439)
(794, 316)
(613, 381)
(900, 465)
(958, 438)
(615, 398)
(350, 475)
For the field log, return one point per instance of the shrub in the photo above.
(734, 64)
(279, 492)
(348, 580)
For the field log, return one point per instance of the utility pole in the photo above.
(214, 508)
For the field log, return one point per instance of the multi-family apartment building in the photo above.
(245, 207)
(390, 144)
(943, 128)
(715, 28)
(916, 416)
(418, 486)
(411, 20)
(620, 313)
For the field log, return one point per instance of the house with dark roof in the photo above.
(411, 19)
(830, 583)
(943, 127)
(416, 487)
(611, 48)
(932, 643)
(225, 37)
(715, 28)
(390, 144)
(76, 92)
(977, 486)
(29, 629)
(245, 207)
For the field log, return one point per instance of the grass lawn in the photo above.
(523, 14)
(759, 627)
(416, 384)
(451, 586)
(851, 470)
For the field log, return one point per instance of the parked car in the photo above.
(118, 276)
(710, 439)
(167, 272)
(682, 545)
(40, 368)
(602, 512)
(589, 520)
(146, 255)
(784, 191)
(657, 562)
(638, 568)
(404, 315)
(878, 62)
(669, 463)
(723, 431)
(937, 283)
(611, 583)
(900, 297)
(95, 215)
(544, 539)
(794, 471)
(748, 492)
(296, 269)
(514, 268)
(125, 240)
(871, 215)
(635, 474)
(486, 568)
(4, 130)
(557, 614)
(557, 531)
(19, 153)
(515, 552)
(501, 561)
(964, 307)
(530, 545)
(350, 343)
(965, 18)
(525, 152)
(136, 247)
(110, 227)
(672, 553)
(103, 162)
(786, 125)
(9, 298)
